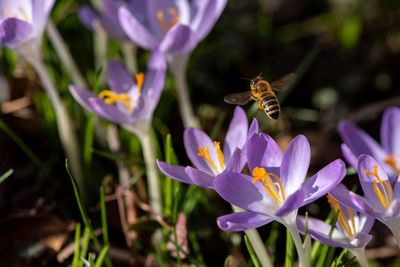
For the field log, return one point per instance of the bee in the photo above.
(264, 93)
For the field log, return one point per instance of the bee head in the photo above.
(254, 81)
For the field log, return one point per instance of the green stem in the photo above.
(178, 65)
(359, 253)
(301, 252)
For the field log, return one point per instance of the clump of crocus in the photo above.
(358, 142)
(381, 195)
(276, 188)
(351, 230)
(174, 28)
(208, 157)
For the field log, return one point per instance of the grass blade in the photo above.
(6, 175)
(102, 256)
(84, 246)
(77, 244)
(251, 252)
(289, 250)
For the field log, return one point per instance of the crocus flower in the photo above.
(107, 18)
(277, 186)
(171, 26)
(351, 229)
(22, 23)
(208, 157)
(381, 197)
(129, 101)
(357, 142)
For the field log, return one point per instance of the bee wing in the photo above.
(238, 98)
(283, 82)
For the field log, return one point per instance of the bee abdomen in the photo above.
(271, 107)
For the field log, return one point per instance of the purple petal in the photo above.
(200, 178)
(119, 78)
(175, 172)
(292, 203)
(360, 142)
(263, 151)
(390, 130)
(254, 128)
(109, 112)
(236, 162)
(369, 222)
(237, 133)
(238, 190)
(179, 39)
(324, 181)
(349, 155)
(193, 139)
(136, 31)
(241, 221)
(88, 16)
(295, 164)
(205, 14)
(367, 163)
(41, 10)
(82, 96)
(14, 32)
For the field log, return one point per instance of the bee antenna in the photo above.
(260, 74)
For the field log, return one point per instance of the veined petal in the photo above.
(349, 155)
(390, 130)
(324, 181)
(295, 164)
(237, 133)
(136, 31)
(254, 128)
(109, 112)
(200, 178)
(82, 96)
(119, 78)
(241, 221)
(41, 10)
(236, 162)
(368, 163)
(360, 142)
(175, 172)
(263, 151)
(292, 203)
(179, 39)
(239, 190)
(14, 32)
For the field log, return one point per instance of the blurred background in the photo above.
(346, 54)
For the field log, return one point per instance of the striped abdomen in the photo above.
(270, 105)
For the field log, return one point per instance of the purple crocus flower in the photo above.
(381, 196)
(208, 157)
(357, 142)
(277, 186)
(171, 26)
(351, 229)
(22, 23)
(129, 102)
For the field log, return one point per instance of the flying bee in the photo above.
(264, 93)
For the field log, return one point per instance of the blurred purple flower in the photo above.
(22, 22)
(276, 188)
(208, 157)
(351, 229)
(357, 142)
(129, 102)
(381, 196)
(171, 26)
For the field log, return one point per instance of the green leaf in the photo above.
(253, 255)
(289, 250)
(6, 175)
(102, 256)
(77, 243)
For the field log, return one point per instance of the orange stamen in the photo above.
(261, 175)
(382, 188)
(139, 80)
(350, 229)
(391, 161)
(111, 98)
(174, 18)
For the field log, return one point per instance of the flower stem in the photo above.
(178, 65)
(64, 54)
(64, 125)
(304, 259)
(129, 50)
(359, 253)
(149, 153)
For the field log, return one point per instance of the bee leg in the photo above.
(260, 105)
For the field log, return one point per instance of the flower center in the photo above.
(174, 18)
(347, 223)
(111, 98)
(382, 188)
(392, 162)
(204, 152)
(274, 189)
(18, 12)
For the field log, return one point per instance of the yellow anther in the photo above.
(391, 161)
(382, 188)
(261, 175)
(111, 98)
(348, 228)
(204, 152)
(174, 18)
(221, 159)
(139, 80)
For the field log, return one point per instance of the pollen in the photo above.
(382, 188)
(347, 223)
(139, 80)
(174, 18)
(111, 98)
(276, 192)
(204, 152)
